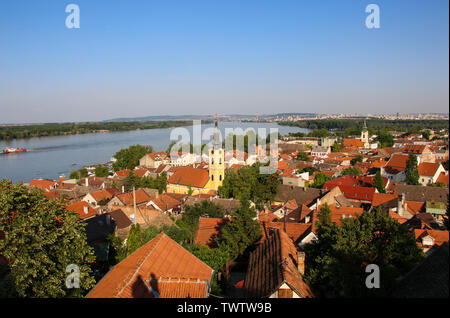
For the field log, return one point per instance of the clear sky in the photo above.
(158, 57)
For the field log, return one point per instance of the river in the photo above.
(51, 157)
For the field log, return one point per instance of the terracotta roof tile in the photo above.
(428, 169)
(83, 209)
(42, 184)
(273, 263)
(150, 268)
(207, 229)
(190, 176)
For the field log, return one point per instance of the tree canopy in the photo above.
(412, 174)
(249, 184)
(336, 262)
(128, 158)
(378, 182)
(41, 239)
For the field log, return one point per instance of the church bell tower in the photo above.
(216, 159)
(365, 136)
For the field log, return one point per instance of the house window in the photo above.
(212, 177)
(220, 177)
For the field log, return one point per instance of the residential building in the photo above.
(160, 268)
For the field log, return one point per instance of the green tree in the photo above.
(412, 174)
(336, 147)
(353, 171)
(79, 174)
(74, 175)
(130, 181)
(249, 184)
(216, 258)
(101, 171)
(240, 232)
(378, 182)
(41, 239)
(302, 156)
(310, 170)
(355, 160)
(319, 180)
(385, 139)
(128, 158)
(336, 262)
(192, 214)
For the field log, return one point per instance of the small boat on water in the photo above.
(13, 150)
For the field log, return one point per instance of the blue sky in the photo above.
(139, 58)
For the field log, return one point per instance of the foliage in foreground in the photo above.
(41, 239)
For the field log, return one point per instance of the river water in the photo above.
(51, 157)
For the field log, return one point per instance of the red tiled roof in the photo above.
(140, 172)
(415, 207)
(190, 176)
(357, 193)
(273, 263)
(347, 180)
(397, 217)
(80, 208)
(378, 164)
(353, 143)
(158, 156)
(165, 202)
(428, 169)
(123, 173)
(162, 266)
(295, 231)
(101, 195)
(397, 163)
(338, 213)
(417, 149)
(127, 198)
(42, 184)
(440, 237)
(207, 229)
(380, 198)
(443, 178)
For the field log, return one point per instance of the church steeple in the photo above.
(216, 142)
(365, 136)
(216, 159)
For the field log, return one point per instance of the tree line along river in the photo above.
(51, 157)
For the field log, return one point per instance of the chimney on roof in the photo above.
(301, 262)
(123, 189)
(401, 205)
(85, 209)
(86, 182)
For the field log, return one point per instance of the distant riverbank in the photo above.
(51, 157)
(63, 129)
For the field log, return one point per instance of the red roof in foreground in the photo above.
(161, 268)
